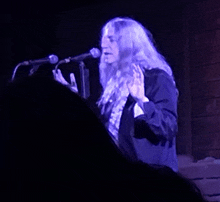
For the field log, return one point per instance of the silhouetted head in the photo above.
(49, 126)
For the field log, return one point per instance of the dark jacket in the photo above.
(151, 137)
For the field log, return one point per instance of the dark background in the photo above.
(186, 32)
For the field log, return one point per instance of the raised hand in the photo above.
(136, 86)
(59, 77)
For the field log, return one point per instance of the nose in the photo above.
(104, 43)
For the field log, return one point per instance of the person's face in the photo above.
(110, 50)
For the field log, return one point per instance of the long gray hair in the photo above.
(135, 46)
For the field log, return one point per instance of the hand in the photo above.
(59, 77)
(136, 86)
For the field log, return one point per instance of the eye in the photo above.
(112, 39)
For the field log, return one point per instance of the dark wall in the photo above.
(185, 32)
(204, 51)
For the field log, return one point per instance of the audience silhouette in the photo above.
(54, 148)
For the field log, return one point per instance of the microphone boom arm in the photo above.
(16, 68)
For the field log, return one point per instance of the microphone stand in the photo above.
(84, 74)
(16, 68)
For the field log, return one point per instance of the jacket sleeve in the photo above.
(159, 121)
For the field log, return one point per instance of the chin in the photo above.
(113, 63)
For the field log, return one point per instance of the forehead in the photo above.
(109, 31)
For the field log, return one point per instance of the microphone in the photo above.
(52, 59)
(94, 53)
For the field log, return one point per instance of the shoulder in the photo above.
(157, 75)
(156, 72)
(158, 80)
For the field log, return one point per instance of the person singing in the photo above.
(138, 104)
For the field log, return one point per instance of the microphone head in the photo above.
(95, 52)
(53, 59)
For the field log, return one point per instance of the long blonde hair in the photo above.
(135, 46)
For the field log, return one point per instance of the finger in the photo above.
(72, 79)
(136, 72)
(54, 71)
(59, 72)
(55, 74)
(136, 77)
(61, 78)
(136, 67)
(142, 77)
(140, 73)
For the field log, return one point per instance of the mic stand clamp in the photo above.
(33, 69)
